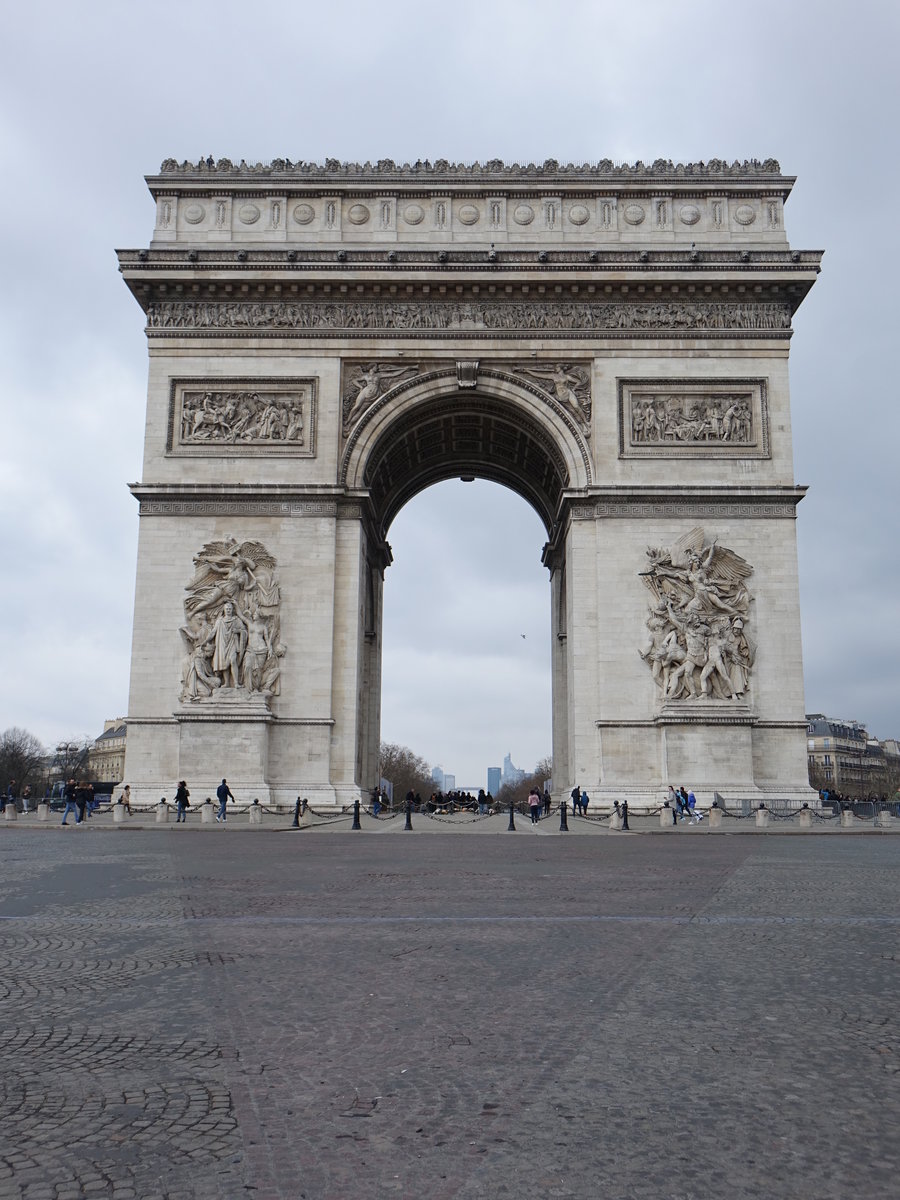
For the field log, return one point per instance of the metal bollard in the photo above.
(511, 827)
(295, 824)
(408, 824)
(563, 818)
(356, 824)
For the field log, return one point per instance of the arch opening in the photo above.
(466, 674)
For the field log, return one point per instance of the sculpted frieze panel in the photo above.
(694, 316)
(244, 416)
(699, 645)
(689, 418)
(232, 626)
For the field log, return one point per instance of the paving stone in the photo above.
(654, 1018)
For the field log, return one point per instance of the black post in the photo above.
(295, 824)
(408, 824)
(563, 817)
(625, 815)
(356, 824)
(511, 827)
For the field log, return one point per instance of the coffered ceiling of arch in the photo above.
(478, 436)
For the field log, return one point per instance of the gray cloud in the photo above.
(89, 106)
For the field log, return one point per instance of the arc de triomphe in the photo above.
(611, 342)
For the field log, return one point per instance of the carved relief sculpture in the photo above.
(245, 417)
(177, 314)
(232, 628)
(571, 386)
(699, 645)
(365, 382)
(692, 419)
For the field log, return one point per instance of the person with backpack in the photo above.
(223, 793)
(182, 800)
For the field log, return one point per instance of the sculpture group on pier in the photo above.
(699, 644)
(232, 630)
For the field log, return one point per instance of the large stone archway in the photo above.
(611, 343)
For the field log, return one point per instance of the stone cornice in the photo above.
(493, 172)
(694, 501)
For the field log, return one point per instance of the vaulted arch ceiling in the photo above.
(459, 435)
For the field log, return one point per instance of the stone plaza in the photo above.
(204, 1014)
(609, 341)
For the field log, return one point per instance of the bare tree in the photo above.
(21, 758)
(405, 770)
(71, 759)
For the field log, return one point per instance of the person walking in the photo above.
(576, 798)
(223, 793)
(182, 800)
(547, 802)
(535, 803)
(81, 799)
(26, 799)
(71, 805)
(585, 801)
(125, 798)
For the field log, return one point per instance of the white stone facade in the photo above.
(610, 342)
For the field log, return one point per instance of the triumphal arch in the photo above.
(611, 342)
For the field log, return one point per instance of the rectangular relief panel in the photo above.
(693, 418)
(256, 417)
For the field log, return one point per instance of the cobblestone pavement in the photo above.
(317, 1018)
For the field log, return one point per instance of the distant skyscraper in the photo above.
(449, 783)
(511, 773)
(493, 780)
(437, 777)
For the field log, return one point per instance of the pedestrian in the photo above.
(223, 792)
(696, 815)
(576, 798)
(12, 793)
(585, 801)
(376, 802)
(534, 804)
(125, 798)
(182, 800)
(683, 811)
(81, 799)
(482, 802)
(624, 814)
(26, 798)
(547, 802)
(71, 806)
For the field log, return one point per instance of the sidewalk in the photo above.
(240, 819)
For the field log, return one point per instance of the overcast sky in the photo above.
(95, 95)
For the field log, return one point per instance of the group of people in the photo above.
(80, 800)
(11, 796)
(683, 805)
